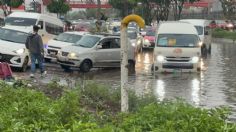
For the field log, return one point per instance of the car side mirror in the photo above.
(206, 33)
(99, 46)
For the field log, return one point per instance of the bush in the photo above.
(220, 33)
(23, 109)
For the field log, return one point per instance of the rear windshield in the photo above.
(177, 40)
(18, 21)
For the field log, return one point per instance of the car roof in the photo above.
(196, 21)
(176, 27)
(104, 35)
(25, 14)
(77, 33)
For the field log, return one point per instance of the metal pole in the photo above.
(124, 69)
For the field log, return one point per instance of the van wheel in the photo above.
(86, 66)
(25, 65)
(65, 68)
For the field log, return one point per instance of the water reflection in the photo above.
(196, 91)
(160, 90)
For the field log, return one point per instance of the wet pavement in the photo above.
(214, 86)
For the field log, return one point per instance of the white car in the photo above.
(12, 48)
(94, 51)
(62, 40)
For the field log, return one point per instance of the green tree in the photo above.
(59, 7)
(10, 3)
(229, 8)
(125, 6)
(178, 7)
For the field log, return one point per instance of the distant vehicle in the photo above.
(149, 39)
(94, 51)
(204, 33)
(177, 48)
(49, 26)
(62, 40)
(12, 47)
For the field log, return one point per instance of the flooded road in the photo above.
(213, 87)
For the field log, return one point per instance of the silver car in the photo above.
(94, 51)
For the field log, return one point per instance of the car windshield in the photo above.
(177, 40)
(68, 37)
(150, 33)
(199, 30)
(132, 35)
(17, 21)
(13, 36)
(87, 41)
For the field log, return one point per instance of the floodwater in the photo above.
(213, 87)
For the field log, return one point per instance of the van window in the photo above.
(41, 24)
(17, 21)
(53, 29)
(199, 29)
(177, 40)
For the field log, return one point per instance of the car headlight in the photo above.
(133, 44)
(200, 43)
(20, 51)
(146, 41)
(195, 59)
(160, 58)
(72, 55)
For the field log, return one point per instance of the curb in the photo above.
(223, 40)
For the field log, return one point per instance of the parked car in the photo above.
(12, 47)
(62, 40)
(94, 51)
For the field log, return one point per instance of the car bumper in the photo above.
(68, 61)
(176, 67)
(51, 54)
(12, 59)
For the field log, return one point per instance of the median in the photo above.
(220, 33)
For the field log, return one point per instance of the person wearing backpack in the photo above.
(34, 44)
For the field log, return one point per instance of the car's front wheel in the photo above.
(24, 65)
(86, 66)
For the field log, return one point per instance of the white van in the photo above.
(50, 26)
(204, 33)
(177, 48)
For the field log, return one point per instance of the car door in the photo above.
(108, 54)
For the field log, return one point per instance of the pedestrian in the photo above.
(34, 44)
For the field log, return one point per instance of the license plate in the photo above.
(177, 70)
(52, 53)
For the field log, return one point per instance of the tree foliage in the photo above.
(125, 6)
(10, 3)
(229, 8)
(58, 7)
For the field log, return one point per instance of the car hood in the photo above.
(58, 44)
(150, 38)
(75, 49)
(9, 47)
